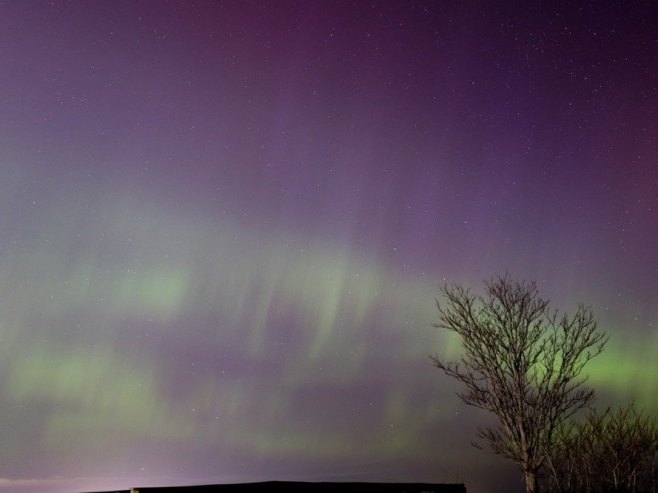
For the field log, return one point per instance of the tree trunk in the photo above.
(531, 485)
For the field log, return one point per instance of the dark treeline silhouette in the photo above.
(613, 451)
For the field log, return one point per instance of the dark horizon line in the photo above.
(303, 486)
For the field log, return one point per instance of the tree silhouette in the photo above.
(522, 362)
(613, 451)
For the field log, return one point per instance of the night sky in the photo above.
(223, 226)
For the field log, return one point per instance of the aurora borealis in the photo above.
(223, 226)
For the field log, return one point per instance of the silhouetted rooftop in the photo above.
(304, 487)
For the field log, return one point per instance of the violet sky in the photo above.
(223, 226)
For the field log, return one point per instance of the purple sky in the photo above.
(223, 226)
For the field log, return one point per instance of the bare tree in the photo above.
(522, 362)
(613, 451)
